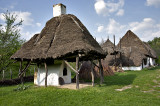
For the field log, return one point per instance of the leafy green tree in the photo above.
(10, 40)
(155, 44)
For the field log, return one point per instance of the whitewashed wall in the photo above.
(67, 78)
(132, 68)
(140, 67)
(152, 61)
(54, 72)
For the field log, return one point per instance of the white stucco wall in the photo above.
(151, 60)
(67, 78)
(54, 72)
(132, 68)
(147, 65)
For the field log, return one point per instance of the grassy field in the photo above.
(144, 91)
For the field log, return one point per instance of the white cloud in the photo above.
(120, 12)
(147, 29)
(27, 34)
(38, 24)
(25, 16)
(114, 27)
(155, 3)
(147, 23)
(100, 28)
(1, 17)
(100, 7)
(106, 8)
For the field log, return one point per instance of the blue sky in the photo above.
(102, 18)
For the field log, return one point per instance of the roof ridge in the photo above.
(77, 23)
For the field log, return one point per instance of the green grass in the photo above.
(145, 91)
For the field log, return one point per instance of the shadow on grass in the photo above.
(119, 79)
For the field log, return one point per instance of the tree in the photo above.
(10, 40)
(155, 44)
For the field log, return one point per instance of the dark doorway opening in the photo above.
(64, 72)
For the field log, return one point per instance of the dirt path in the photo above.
(124, 88)
(73, 85)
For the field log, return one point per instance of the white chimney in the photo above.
(59, 9)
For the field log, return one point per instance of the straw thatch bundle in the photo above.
(85, 71)
(63, 37)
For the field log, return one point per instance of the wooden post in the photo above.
(120, 55)
(25, 73)
(71, 67)
(77, 75)
(149, 62)
(100, 72)
(92, 73)
(20, 70)
(3, 75)
(46, 74)
(34, 69)
(30, 72)
(114, 52)
(142, 64)
(11, 73)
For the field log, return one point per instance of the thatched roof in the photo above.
(131, 40)
(109, 48)
(63, 37)
(134, 50)
(150, 50)
(131, 57)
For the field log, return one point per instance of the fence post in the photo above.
(11, 73)
(3, 75)
(25, 74)
(34, 69)
(30, 72)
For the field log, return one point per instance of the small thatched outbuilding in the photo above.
(86, 69)
(64, 38)
(111, 59)
(110, 48)
(112, 51)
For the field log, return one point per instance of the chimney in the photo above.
(59, 9)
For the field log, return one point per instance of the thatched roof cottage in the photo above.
(64, 38)
(137, 54)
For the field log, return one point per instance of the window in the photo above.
(64, 72)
